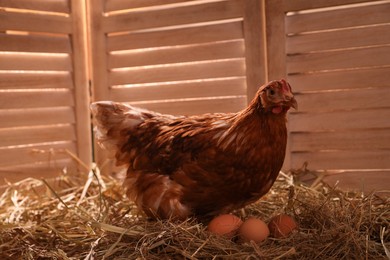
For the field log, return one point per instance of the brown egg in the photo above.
(282, 225)
(254, 229)
(225, 225)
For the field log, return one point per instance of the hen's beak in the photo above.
(290, 101)
(293, 103)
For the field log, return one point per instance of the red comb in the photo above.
(285, 86)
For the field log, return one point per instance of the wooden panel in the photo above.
(344, 100)
(36, 116)
(33, 99)
(61, 6)
(298, 5)
(174, 16)
(365, 181)
(228, 68)
(341, 120)
(192, 35)
(334, 160)
(367, 139)
(333, 19)
(34, 22)
(33, 135)
(223, 105)
(376, 35)
(12, 61)
(368, 57)
(362, 78)
(34, 43)
(30, 155)
(114, 5)
(225, 87)
(15, 80)
(224, 50)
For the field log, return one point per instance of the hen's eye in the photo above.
(271, 92)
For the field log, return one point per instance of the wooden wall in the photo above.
(43, 87)
(337, 58)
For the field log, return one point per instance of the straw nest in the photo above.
(76, 217)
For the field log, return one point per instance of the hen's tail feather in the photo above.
(110, 119)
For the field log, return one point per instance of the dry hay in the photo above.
(76, 217)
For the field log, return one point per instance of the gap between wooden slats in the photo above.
(117, 5)
(40, 153)
(364, 139)
(34, 43)
(196, 107)
(365, 181)
(344, 100)
(36, 116)
(209, 88)
(38, 170)
(335, 19)
(346, 59)
(173, 37)
(211, 51)
(350, 38)
(353, 79)
(17, 61)
(33, 80)
(182, 71)
(340, 120)
(213, 11)
(34, 135)
(335, 160)
(298, 5)
(60, 6)
(35, 23)
(32, 99)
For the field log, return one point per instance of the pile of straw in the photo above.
(75, 217)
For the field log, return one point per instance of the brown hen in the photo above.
(181, 166)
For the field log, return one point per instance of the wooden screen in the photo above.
(43, 87)
(337, 58)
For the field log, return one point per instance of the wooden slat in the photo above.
(376, 35)
(26, 80)
(197, 107)
(342, 18)
(174, 16)
(228, 68)
(34, 43)
(213, 51)
(33, 99)
(60, 6)
(344, 100)
(377, 77)
(367, 139)
(367, 57)
(115, 5)
(334, 160)
(26, 155)
(212, 88)
(184, 36)
(366, 181)
(35, 22)
(298, 5)
(11, 61)
(341, 120)
(38, 170)
(36, 116)
(33, 135)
